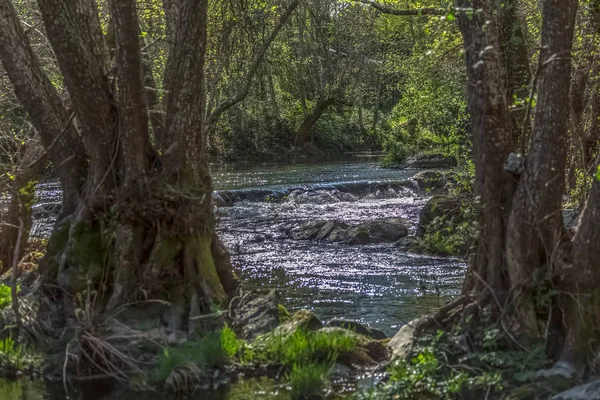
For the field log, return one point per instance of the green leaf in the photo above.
(598, 173)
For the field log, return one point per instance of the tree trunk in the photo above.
(303, 132)
(515, 59)
(536, 228)
(19, 208)
(492, 140)
(139, 230)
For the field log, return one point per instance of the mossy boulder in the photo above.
(439, 207)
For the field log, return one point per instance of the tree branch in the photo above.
(259, 55)
(394, 11)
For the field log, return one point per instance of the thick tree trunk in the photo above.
(492, 139)
(303, 132)
(581, 280)
(140, 231)
(536, 227)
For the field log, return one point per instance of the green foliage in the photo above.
(308, 381)
(16, 359)
(230, 342)
(447, 235)
(301, 347)
(210, 351)
(5, 296)
(441, 368)
(284, 314)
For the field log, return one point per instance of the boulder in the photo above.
(256, 313)
(368, 351)
(358, 328)
(436, 160)
(377, 334)
(302, 319)
(401, 345)
(386, 230)
(350, 325)
(407, 243)
(439, 206)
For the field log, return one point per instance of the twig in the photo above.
(64, 369)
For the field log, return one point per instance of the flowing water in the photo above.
(375, 284)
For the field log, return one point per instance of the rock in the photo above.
(571, 219)
(386, 230)
(407, 243)
(559, 370)
(402, 343)
(356, 327)
(368, 351)
(256, 313)
(588, 391)
(350, 325)
(439, 206)
(436, 160)
(377, 334)
(302, 319)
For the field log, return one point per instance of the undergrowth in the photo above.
(449, 235)
(16, 359)
(300, 347)
(5, 296)
(480, 364)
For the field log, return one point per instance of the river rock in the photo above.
(436, 160)
(407, 243)
(350, 325)
(403, 342)
(588, 391)
(357, 328)
(256, 313)
(368, 351)
(386, 230)
(302, 319)
(377, 334)
(439, 206)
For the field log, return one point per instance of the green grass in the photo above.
(205, 353)
(5, 296)
(300, 347)
(308, 381)
(16, 359)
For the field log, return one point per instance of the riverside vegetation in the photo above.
(127, 103)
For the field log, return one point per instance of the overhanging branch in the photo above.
(405, 12)
(259, 55)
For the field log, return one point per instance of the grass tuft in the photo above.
(308, 381)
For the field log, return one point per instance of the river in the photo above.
(376, 285)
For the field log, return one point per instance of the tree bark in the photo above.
(536, 227)
(303, 132)
(492, 141)
(37, 95)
